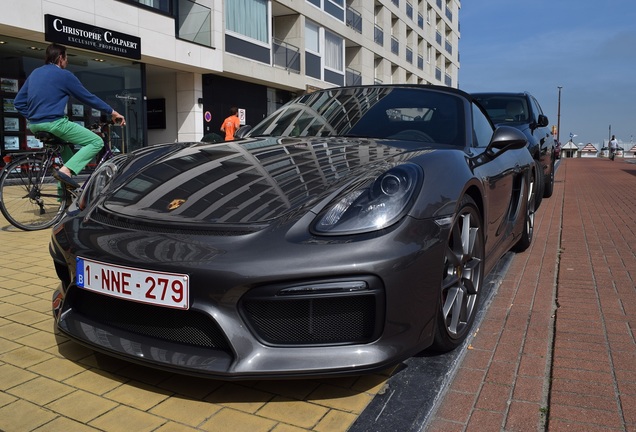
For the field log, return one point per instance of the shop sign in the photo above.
(68, 32)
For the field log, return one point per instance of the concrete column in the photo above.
(189, 111)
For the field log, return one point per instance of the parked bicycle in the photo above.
(30, 198)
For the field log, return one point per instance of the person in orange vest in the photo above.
(231, 124)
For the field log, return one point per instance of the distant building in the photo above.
(589, 150)
(569, 150)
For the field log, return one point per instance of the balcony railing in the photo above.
(395, 45)
(286, 56)
(354, 19)
(378, 35)
(194, 22)
(352, 77)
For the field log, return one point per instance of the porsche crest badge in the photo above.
(175, 204)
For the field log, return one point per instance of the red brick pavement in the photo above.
(556, 350)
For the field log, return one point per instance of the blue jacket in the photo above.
(45, 93)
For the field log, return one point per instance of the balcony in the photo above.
(354, 19)
(378, 35)
(286, 56)
(352, 77)
(194, 23)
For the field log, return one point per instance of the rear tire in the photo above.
(527, 234)
(30, 198)
(549, 184)
(462, 279)
(540, 180)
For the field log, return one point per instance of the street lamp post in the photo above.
(559, 116)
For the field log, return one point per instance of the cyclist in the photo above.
(43, 99)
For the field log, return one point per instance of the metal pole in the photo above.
(559, 116)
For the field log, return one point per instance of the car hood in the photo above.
(251, 181)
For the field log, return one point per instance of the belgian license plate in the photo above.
(157, 288)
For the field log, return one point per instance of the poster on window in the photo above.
(9, 85)
(11, 143)
(33, 143)
(78, 110)
(11, 124)
(8, 107)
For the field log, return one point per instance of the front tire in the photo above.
(462, 280)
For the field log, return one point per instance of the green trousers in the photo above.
(72, 132)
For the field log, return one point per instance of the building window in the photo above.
(312, 37)
(334, 52)
(248, 18)
(164, 6)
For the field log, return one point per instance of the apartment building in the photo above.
(175, 67)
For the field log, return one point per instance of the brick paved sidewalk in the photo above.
(556, 350)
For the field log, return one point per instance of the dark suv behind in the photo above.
(522, 111)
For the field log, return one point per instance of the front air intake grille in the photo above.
(313, 321)
(183, 327)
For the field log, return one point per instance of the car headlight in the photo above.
(99, 181)
(373, 205)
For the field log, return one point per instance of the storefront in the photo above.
(104, 61)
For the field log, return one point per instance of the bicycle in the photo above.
(30, 198)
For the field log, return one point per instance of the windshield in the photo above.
(505, 109)
(413, 114)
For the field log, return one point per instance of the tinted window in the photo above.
(482, 129)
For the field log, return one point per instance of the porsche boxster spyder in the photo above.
(349, 230)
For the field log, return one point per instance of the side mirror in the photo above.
(543, 121)
(505, 138)
(242, 131)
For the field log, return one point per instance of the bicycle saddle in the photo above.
(47, 137)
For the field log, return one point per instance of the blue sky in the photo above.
(588, 47)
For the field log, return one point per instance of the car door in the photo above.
(542, 134)
(498, 178)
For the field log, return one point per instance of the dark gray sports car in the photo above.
(349, 230)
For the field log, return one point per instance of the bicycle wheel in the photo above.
(30, 198)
